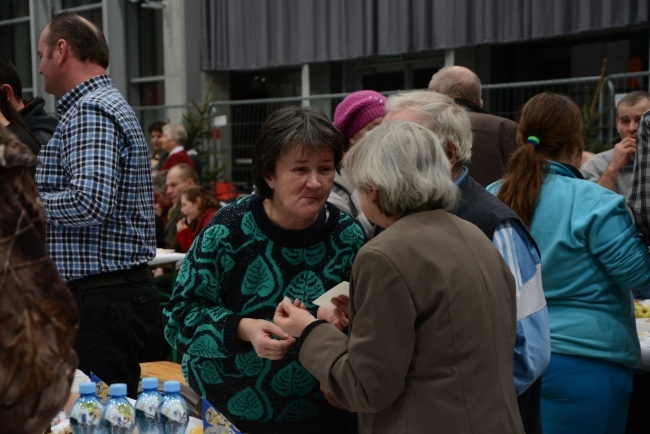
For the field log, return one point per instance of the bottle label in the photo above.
(119, 415)
(148, 406)
(86, 413)
(174, 413)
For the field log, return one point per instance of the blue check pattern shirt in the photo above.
(639, 195)
(95, 181)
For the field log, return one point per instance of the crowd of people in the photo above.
(491, 273)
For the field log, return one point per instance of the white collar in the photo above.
(176, 150)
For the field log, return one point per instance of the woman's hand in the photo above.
(292, 318)
(329, 397)
(158, 271)
(181, 225)
(329, 316)
(342, 311)
(259, 333)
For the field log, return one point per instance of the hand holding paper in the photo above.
(325, 300)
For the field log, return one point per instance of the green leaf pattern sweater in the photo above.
(241, 265)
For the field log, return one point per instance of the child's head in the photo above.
(195, 200)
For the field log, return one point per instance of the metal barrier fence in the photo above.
(237, 123)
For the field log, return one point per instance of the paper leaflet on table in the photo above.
(324, 300)
(216, 423)
(101, 388)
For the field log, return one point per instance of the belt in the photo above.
(135, 274)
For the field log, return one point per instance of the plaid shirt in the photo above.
(94, 178)
(639, 199)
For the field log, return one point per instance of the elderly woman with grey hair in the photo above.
(432, 312)
(173, 140)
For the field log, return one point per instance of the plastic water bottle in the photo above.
(86, 412)
(172, 411)
(146, 406)
(118, 416)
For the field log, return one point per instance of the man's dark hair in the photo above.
(630, 99)
(9, 75)
(289, 128)
(156, 126)
(87, 42)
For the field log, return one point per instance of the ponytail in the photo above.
(523, 182)
(552, 126)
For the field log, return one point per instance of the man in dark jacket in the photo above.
(494, 137)
(40, 124)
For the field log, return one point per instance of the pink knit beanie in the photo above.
(357, 110)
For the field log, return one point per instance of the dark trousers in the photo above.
(333, 421)
(115, 323)
(158, 348)
(637, 417)
(529, 408)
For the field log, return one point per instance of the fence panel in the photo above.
(237, 123)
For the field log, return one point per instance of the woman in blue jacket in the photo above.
(592, 255)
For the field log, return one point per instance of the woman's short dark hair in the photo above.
(156, 126)
(286, 129)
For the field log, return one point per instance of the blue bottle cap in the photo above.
(86, 388)
(172, 386)
(149, 383)
(117, 389)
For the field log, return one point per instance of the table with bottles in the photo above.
(153, 412)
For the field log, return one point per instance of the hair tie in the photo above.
(533, 141)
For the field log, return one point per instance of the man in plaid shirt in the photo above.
(95, 181)
(639, 199)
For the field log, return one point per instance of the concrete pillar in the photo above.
(41, 14)
(115, 33)
(450, 57)
(182, 39)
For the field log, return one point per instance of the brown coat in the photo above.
(495, 139)
(38, 316)
(432, 333)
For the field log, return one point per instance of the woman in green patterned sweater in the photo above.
(284, 241)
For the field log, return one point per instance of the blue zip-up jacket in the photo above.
(592, 255)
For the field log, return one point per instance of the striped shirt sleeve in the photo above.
(533, 342)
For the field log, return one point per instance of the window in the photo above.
(15, 41)
(89, 9)
(146, 68)
(71, 4)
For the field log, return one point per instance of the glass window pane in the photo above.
(152, 93)
(15, 45)
(266, 84)
(149, 94)
(13, 9)
(66, 4)
(150, 43)
(94, 16)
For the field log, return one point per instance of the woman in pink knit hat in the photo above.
(357, 114)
